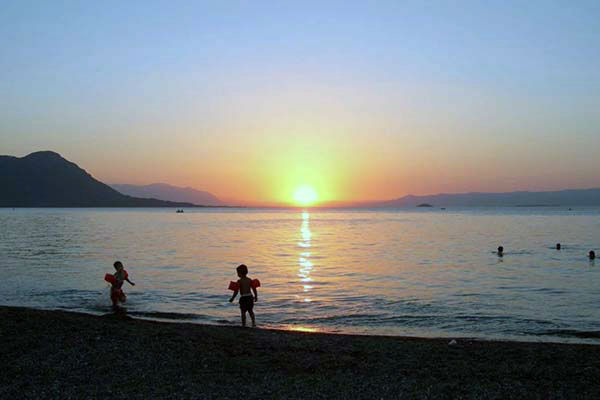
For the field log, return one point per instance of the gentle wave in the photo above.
(368, 271)
(570, 333)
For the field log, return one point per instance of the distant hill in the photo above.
(45, 179)
(163, 191)
(572, 197)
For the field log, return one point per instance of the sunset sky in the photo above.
(357, 100)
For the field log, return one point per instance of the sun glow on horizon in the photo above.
(305, 195)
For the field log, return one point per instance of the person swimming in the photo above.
(557, 246)
(592, 255)
(500, 251)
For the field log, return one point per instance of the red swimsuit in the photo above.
(116, 293)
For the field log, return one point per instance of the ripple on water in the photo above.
(368, 271)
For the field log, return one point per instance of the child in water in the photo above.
(245, 287)
(116, 291)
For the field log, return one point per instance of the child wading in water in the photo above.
(116, 291)
(244, 286)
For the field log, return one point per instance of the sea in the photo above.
(427, 272)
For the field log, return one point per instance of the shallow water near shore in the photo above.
(419, 272)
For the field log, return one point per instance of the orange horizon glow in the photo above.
(315, 135)
(272, 181)
(359, 107)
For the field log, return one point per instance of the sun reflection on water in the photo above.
(304, 263)
(302, 329)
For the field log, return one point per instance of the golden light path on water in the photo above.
(302, 329)
(398, 272)
(305, 267)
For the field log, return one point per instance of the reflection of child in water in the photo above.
(246, 299)
(116, 291)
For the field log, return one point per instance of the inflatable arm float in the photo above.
(110, 278)
(236, 286)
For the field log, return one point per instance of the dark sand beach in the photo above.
(55, 354)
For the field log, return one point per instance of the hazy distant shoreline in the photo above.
(45, 179)
(434, 208)
(193, 206)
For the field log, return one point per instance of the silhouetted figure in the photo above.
(500, 251)
(592, 255)
(245, 286)
(116, 292)
(557, 246)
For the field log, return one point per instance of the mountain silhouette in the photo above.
(570, 197)
(163, 191)
(45, 179)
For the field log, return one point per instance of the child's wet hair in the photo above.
(242, 269)
(118, 264)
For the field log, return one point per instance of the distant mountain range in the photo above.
(45, 179)
(163, 191)
(571, 197)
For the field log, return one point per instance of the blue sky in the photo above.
(425, 96)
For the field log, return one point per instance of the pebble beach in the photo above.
(57, 354)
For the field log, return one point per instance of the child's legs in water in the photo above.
(251, 312)
(243, 317)
(246, 305)
(116, 296)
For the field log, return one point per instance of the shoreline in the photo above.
(559, 336)
(50, 354)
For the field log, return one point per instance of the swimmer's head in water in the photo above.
(242, 270)
(118, 265)
(592, 254)
(557, 246)
(500, 249)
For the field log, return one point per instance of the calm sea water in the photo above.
(424, 272)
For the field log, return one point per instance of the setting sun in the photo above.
(305, 195)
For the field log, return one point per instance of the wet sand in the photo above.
(55, 354)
